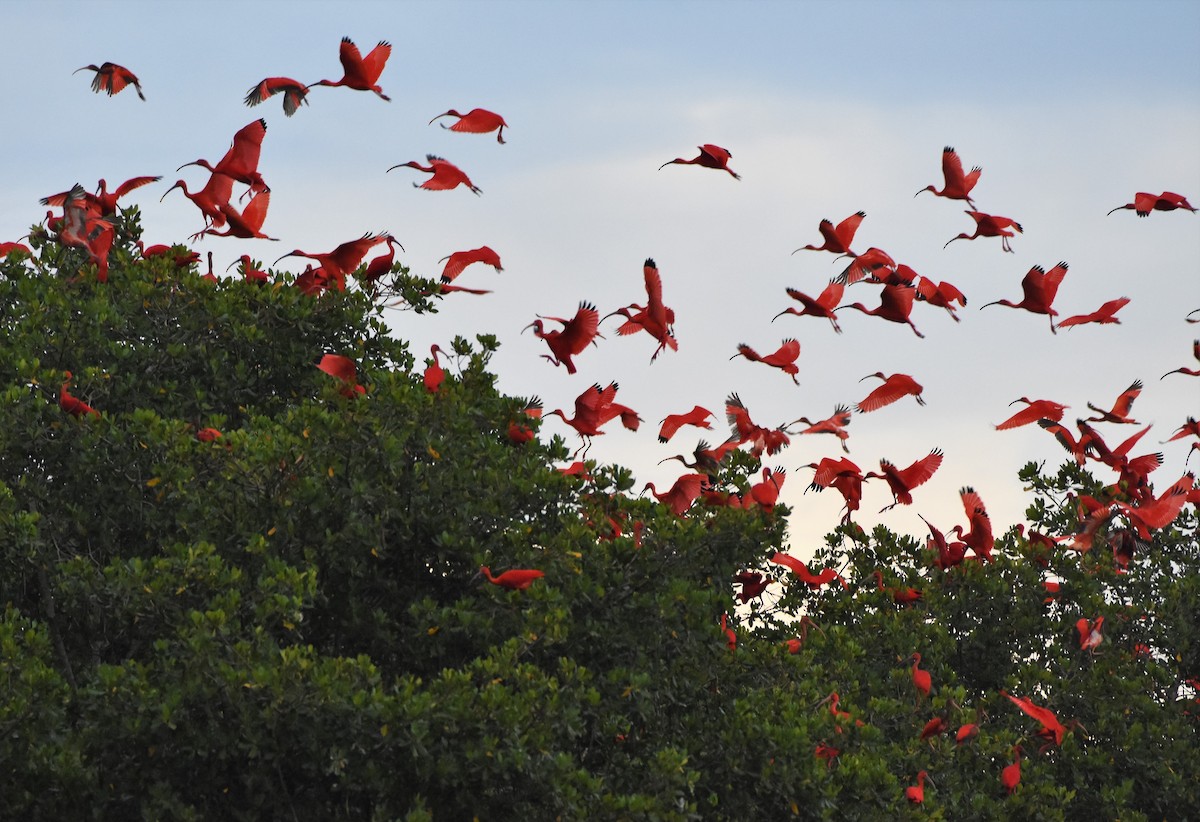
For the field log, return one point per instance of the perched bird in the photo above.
(989, 225)
(574, 336)
(358, 72)
(710, 157)
(921, 680)
(916, 793)
(957, 185)
(1143, 203)
(434, 375)
(72, 404)
(445, 175)
(344, 370)
(1010, 776)
(476, 121)
(1089, 633)
(514, 579)
(111, 78)
(294, 93)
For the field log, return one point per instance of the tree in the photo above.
(286, 620)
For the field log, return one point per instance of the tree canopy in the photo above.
(246, 587)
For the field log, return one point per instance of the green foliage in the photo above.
(286, 621)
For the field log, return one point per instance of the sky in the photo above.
(828, 108)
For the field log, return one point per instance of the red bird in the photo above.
(896, 304)
(382, 264)
(358, 72)
(515, 579)
(988, 225)
(707, 459)
(949, 554)
(103, 202)
(797, 567)
(842, 475)
(1159, 512)
(1191, 372)
(1035, 410)
(1121, 408)
(71, 404)
(922, 681)
(916, 793)
(966, 733)
(445, 175)
(681, 495)
(82, 228)
(784, 358)
(866, 265)
(249, 272)
(208, 435)
(1040, 288)
(900, 596)
(520, 432)
(753, 584)
(822, 306)
(241, 160)
(210, 199)
(344, 259)
(112, 78)
(1104, 315)
(766, 493)
(771, 440)
(1143, 203)
(979, 534)
(957, 185)
(247, 224)
(656, 319)
(893, 388)
(7, 248)
(476, 121)
(838, 239)
(434, 374)
(1010, 777)
(903, 482)
(572, 338)
(710, 157)
(1051, 727)
(343, 369)
(943, 295)
(698, 417)
(1089, 633)
(835, 425)
(293, 91)
(595, 407)
(456, 262)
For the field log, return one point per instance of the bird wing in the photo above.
(131, 184)
(582, 328)
(372, 65)
(920, 471)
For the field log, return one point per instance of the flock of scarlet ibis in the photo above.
(1129, 501)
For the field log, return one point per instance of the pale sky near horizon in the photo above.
(828, 108)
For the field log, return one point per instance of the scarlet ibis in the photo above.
(514, 579)
(957, 185)
(294, 93)
(842, 475)
(595, 407)
(893, 388)
(1045, 717)
(900, 596)
(1039, 287)
(1077, 447)
(112, 78)
(343, 369)
(434, 373)
(698, 417)
(935, 727)
(249, 272)
(990, 225)
(1011, 775)
(1191, 372)
(103, 202)
(730, 634)
(710, 156)
(784, 358)
(344, 259)
(966, 733)
(241, 160)
(82, 228)
(949, 554)
(867, 264)
(1034, 410)
(519, 432)
(208, 435)
(247, 224)
(1089, 633)
(943, 295)
(916, 793)
(682, 493)
(896, 304)
(822, 306)
(771, 440)
(1104, 315)
(1159, 512)
(382, 264)
(922, 680)
(1143, 203)
(1121, 407)
(813, 581)
(358, 72)
(181, 259)
(902, 482)
(456, 262)
(655, 318)
(476, 121)
(979, 525)
(835, 424)
(837, 239)
(572, 338)
(446, 175)
(766, 493)
(215, 194)
(72, 404)
(753, 584)
(1191, 428)
(707, 459)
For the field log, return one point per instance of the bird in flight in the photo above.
(358, 72)
(112, 78)
(710, 156)
(475, 121)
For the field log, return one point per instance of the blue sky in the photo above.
(1069, 107)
